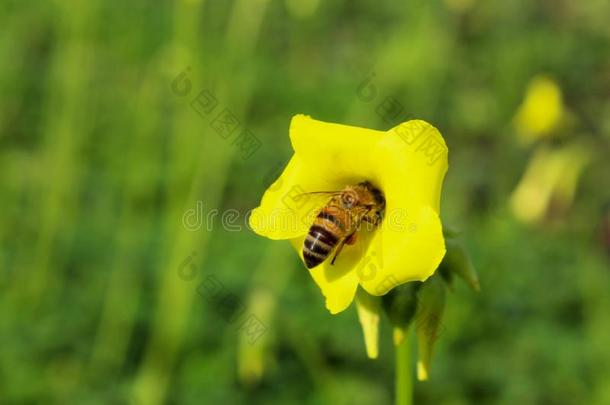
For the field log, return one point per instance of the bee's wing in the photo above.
(315, 198)
(320, 193)
(308, 204)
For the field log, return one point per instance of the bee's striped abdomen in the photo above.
(322, 237)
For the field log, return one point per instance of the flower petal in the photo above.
(414, 157)
(399, 254)
(337, 282)
(410, 244)
(286, 206)
(342, 153)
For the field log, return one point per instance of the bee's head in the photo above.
(375, 193)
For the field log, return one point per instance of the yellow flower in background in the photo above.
(407, 164)
(550, 181)
(541, 110)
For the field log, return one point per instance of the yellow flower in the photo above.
(541, 110)
(407, 163)
(549, 182)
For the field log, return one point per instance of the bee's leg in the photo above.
(371, 222)
(337, 251)
(351, 239)
(348, 240)
(373, 218)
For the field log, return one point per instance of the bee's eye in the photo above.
(348, 200)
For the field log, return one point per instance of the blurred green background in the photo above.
(106, 292)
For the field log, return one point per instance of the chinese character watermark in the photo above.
(390, 110)
(224, 122)
(227, 304)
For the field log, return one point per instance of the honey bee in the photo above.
(339, 220)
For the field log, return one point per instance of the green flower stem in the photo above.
(404, 371)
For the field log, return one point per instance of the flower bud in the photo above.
(430, 306)
(368, 313)
(450, 231)
(457, 261)
(400, 304)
